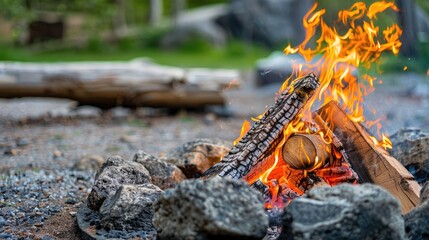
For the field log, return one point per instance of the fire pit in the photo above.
(315, 134)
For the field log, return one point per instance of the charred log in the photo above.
(261, 140)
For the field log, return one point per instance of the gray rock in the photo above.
(131, 208)
(21, 142)
(417, 222)
(424, 192)
(213, 209)
(163, 174)
(411, 148)
(270, 22)
(115, 172)
(344, 212)
(91, 162)
(197, 23)
(195, 157)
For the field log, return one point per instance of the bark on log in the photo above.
(371, 162)
(261, 140)
(128, 84)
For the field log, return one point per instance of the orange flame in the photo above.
(244, 129)
(342, 54)
(335, 58)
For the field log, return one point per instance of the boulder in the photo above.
(344, 212)
(411, 148)
(416, 222)
(115, 172)
(198, 23)
(195, 157)
(131, 208)
(213, 209)
(269, 22)
(163, 174)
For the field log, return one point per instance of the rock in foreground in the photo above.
(195, 157)
(163, 174)
(411, 148)
(212, 209)
(417, 221)
(131, 208)
(115, 172)
(344, 212)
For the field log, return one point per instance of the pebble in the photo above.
(21, 142)
(38, 224)
(57, 154)
(128, 138)
(72, 214)
(30, 197)
(11, 151)
(71, 201)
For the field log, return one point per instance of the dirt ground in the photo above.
(45, 134)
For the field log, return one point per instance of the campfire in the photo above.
(315, 133)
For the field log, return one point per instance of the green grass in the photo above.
(234, 55)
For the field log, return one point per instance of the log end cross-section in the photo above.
(261, 140)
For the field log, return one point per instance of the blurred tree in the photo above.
(155, 14)
(178, 7)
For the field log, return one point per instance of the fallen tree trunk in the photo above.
(106, 85)
(370, 161)
(261, 140)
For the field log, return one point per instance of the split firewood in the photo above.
(371, 162)
(261, 140)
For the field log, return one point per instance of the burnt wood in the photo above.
(261, 140)
(370, 161)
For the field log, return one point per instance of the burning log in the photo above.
(371, 162)
(261, 140)
(306, 151)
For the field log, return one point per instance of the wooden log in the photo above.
(306, 151)
(261, 140)
(371, 162)
(128, 84)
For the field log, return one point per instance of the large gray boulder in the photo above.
(344, 212)
(213, 209)
(198, 23)
(270, 22)
(195, 157)
(411, 148)
(115, 172)
(163, 174)
(131, 208)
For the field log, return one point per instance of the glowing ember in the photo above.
(334, 58)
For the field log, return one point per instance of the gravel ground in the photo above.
(42, 139)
